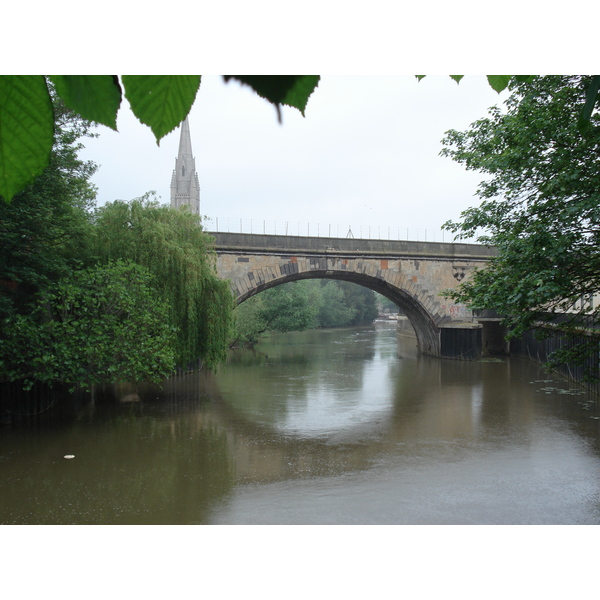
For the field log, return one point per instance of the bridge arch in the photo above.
(424, 325)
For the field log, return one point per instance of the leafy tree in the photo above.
(540, 207)
(385, 304)
(335, 311)
(303, 305)
(249, 323)
(290, 307)
(60, 322)
(105, 324)
(362, 300)
(172, 246)
(49, 237)
(44, 230)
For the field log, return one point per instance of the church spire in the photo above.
(185, 189)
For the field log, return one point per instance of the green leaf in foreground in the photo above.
(26, 131)
(95, 97)
(292, 90)
(300, 92)
(161, 101)
(499, 82)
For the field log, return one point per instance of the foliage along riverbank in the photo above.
(305, 304)
(90, 295)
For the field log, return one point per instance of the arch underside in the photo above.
(425, 327)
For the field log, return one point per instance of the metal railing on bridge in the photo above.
(326, 230)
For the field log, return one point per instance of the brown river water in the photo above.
(344, 426)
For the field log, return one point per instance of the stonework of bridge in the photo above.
(411, 274)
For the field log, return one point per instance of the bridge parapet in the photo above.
(350, 246)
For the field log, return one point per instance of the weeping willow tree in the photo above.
(173, 247)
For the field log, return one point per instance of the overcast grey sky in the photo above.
(365, 155)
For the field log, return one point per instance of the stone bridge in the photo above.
(411, 274)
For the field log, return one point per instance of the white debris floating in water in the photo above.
(69, 456)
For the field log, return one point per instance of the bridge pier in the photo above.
(459, 341)
(463, 341)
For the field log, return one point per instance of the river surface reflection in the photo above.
(320, 427)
